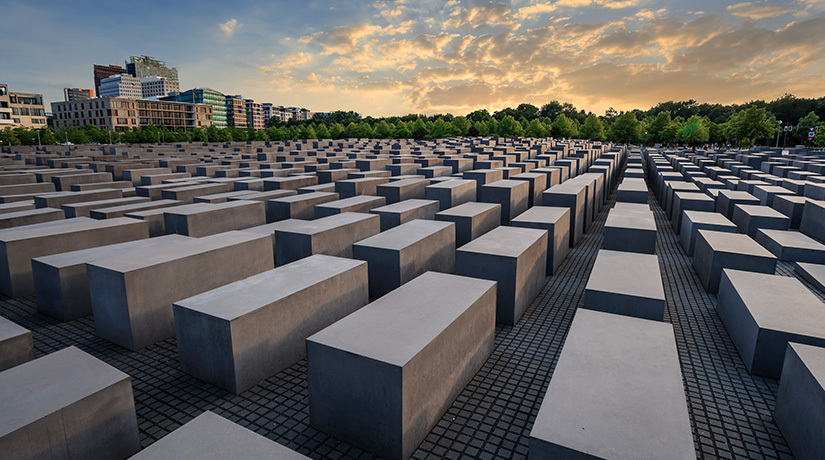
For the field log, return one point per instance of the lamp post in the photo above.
(777, 132)
(785, 140)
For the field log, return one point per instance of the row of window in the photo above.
(26, 112)
(25, 100)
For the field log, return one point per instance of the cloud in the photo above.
(757, 11)
(229, 27)
(482, 15)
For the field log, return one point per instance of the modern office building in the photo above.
(147, 66)
(21, 109)
(77, 94)
(278, 112)
(105, 71)
(254, 114)
(235, 111)
(158, 86)
(122, 85)
(120, 114)
(205, 96)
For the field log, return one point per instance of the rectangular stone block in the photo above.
(483, 176)
(210, 219)
(393, 215)
(792, 207)
(222, 197)
(155, 192)
(354, 187)
(791, 246)
(813, 220)
(538, 184)
(514, 257)
(242, 333)
(812, 273)
(573, 197)
(19, 246)
(618, 378)
(61, 287)
(452, 193)
(368, 373)
(332, 235)
(800, 401)
(122, 210)
(689, 201)
(750, 218)
(471, 220)
(132, 297)
(289, 183)
(16, 206)
(301, 206)
(362, 203)
(56, 200)
(400, 254)
(632, 191)
(728, 198)
(84, 209)
(763, 313)
(615, 288)
(556, 221)
(693, 221)
(30, 216)
(188, 193)
(630, 231)
(210, 436)
(405, 189)
(16, 345)
(716, 251)
(67, 405)
(65, 182)
(767, 193)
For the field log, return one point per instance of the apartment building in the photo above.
(121, 86)
(105, 71)
(120, 114)
(21, 109)
(254, 114)
(158, 86)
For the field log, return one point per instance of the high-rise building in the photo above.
(123, 86)
(147, 66)
(158, 86)
(235, 111)
(254, 114)
(205, 96)
(21, 109)
(276, 112)
(120, 114)
(77, 94)
(105, 71)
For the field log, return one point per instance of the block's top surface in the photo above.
(189, 211)
(33, 390)
(708, 218)
(198, 187)
(405, 206)
(65, 226)
(470, 209)
(682, 186)
(693, 196)
(567, 188)
(113, 201)
(9, 329)
(738, 195)
(311, 227)
(527, 175)
(736, 243)
(453, 183)
(631, 220)
(627, 273)
(404, 183)
(193, 207)
(236, 299)
(306, 197)
(212, 437)
(623, 207)
(780, 303)
(101, 191)
(353, 201)
(772, 189)
(507, 184)
(617, 391)
(542, 215)
(406, 234)
(791, 239)
(29, 212)
(756, 210)
(136, 206)
(505, 241)
(633, 185)
(397, 326)
(68, 259)
(167, 253)
(813, 358)
(790, 199)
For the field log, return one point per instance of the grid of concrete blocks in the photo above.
(387, 269)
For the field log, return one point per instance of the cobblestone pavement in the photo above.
(730, 410)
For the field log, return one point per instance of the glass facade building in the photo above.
(207, 96)
(147, 66)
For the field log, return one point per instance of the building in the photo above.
(205, 96)
(254, 114)
(235, 111)
(122, 85)
(299, 113)
(147, 66)
(105, 71)
(21, 109)
(278, 112)
(120, 114)
(158, 86)
(77, 94)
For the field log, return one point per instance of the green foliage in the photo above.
(626, 128)
(536, 129)
(563, 127)
(461, 125)
(819, 140)
(694, 131)
(592, 129)
(509, 127)
(383, 130)
(752, 125)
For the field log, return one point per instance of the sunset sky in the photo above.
(397, 57)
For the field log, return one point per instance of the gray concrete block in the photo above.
(482, 177)
(750, 218)
(689, 201)
(333, 235)
(212, 437)
(516, 258)
(728, 198)
(557, 223)
(301, 206)
(401, 254)
(56, 200)
(616, 392)
(122, 210)
(84, 209)
(812, 273)
(791, 246)
(132, 297)
(632, 231)
(512, 195)
(393, 215)
(239, 334)
(361, 203)
(16, 345)
(210, 219)
(716, 251)
(767, 193)
(813, 220)
(800, 401)
(372, 376)
(30, 216)
(762, 313)
(693, 221)
(538, 184)
(450, 194)
(632, 191)
(188, 193)
(61, 287)
(289, 183)
(67, 405)
(792, 207)
(401, 190)
(364, 186)
(471, 220)
(16, 206)
(637, 292)
(570, 196)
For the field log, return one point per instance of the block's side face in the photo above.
(384, 267)
(531, 266)
(502, 270)
(356, 399)
(16, 350)
(624, 304)
(703, 261)
(110, 305)
(273, 338)
(47, 290)
(800, 408)
(437, 375)
(486, 221)
(205, 347)
(740, 324)
(338, 241)
(435, 252)
(292, 246)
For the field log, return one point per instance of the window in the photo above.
(24, 111)
(114, 104)
(15, 111)
(16, 120)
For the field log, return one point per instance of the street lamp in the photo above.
(777, 132)
(785, 140)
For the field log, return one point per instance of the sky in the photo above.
(386, 57)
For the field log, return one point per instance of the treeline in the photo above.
(786, 120)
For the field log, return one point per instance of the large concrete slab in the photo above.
(512, 195)
(393, 215)
(84, 209)
(800, 401)
(812, 273)
(401, 190)
(693, 221)
(557, 223)
(719, 250)
(631, 231)
(573, 197)
(301, 206)
(616, 392)
(514, 257)
(471, 220)
(452, 193)
(30, 216)
(762, 313)
(813, 220)
(56, 200)
(361, 203)
(381, 378)
(792, 246)
(689, 201)
(210, 219)
(16, 345)
(632, 191)
(122, 210)
(749, 219)
(726, 200)
(67, 405)
(132, 297)
(333, 235)
(242, 333)
(188, 193)
(614, 288)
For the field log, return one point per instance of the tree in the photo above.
(509, 127)
(657, 127)
(322, 131)
(382, 130)
(819, 140)
(694, 131)
(461, 125)
(751, 125)
(482, 129)
(593, 128)
(47, 136)
(401, 131)
(563, 127)
(805, 125)
(625, 129)
(536, 129)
